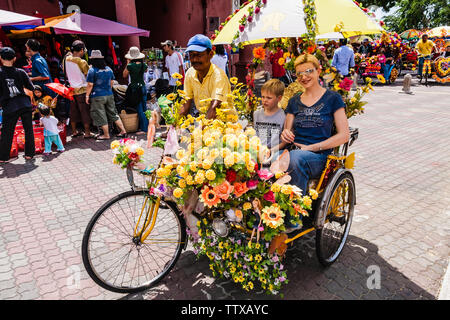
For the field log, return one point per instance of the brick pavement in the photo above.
(400, 224)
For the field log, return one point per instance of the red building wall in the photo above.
(47, 8)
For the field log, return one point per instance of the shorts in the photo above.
(103, 109)
(79, 109)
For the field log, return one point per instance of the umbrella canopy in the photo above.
(410, 34)
(360, 39)
(9, 18)
(61, 89)
(81, 23)
(439, 32)
(286, 18)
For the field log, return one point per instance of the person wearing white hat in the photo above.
(137, 93)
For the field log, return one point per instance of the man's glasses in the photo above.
(305, 73)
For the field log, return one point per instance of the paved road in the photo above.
(400, 229)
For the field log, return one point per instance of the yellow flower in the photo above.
(247, 206)
(307, 201)
(234, 80)
(210, 175)
(199, 177)
(180, 154)
(126, 149)
(286, 189)
(115, 144)
(275, 187)
(140, 151)
(178, 76)
(251, 166)
(182, 183)
(207, 164)
(177, 193)
(193, 166)
(229, 161)
(313, 193)
(171, 96)
(189, 180)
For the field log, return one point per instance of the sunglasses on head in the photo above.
(307, 72)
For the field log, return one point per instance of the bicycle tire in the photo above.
(90, 241)
(325, 257)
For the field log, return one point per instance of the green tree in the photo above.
(413, 14)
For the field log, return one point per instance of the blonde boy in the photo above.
(269, 120)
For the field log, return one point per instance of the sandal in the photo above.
(77, 134)
(28, 158)
(123, 135)
(91, 136)
(102, 138)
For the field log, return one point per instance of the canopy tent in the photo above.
(411, 34)
(10, 18)
(82, 23)
(286, 18)
(439, 32)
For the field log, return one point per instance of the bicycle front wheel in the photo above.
(116, 260)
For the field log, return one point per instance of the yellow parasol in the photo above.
(439, 32)
(286, 18)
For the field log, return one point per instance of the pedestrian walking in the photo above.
(343, 58)
(16, 103)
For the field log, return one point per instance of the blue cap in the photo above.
(199, 43)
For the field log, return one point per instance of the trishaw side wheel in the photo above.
(113, 256)
(330, 239)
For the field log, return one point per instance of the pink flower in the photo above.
(265, 174)
(250, 19)
(257, 10)
(241, 28)
(269, 196)
(346, 84)
(252, 184)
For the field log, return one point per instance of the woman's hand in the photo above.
(287, 136)
(87, 99)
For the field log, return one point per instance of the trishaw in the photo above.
(134, 240)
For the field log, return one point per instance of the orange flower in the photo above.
(240, 189)
(238, 214)
(259, 53)
(209, 197)
(223, 190)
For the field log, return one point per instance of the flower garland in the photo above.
(309, 8)
(252, 11)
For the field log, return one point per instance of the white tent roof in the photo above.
(10, 18)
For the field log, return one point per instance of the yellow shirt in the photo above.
(425, 48)
(215, 86)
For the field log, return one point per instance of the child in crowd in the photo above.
(51, 131)
(40, 97)
(269, 120)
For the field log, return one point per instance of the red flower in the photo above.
(269, 196)
(257, 10)
(250, 19)
(256, 167)
(231, 176)
(241, 28)
(346, 84)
